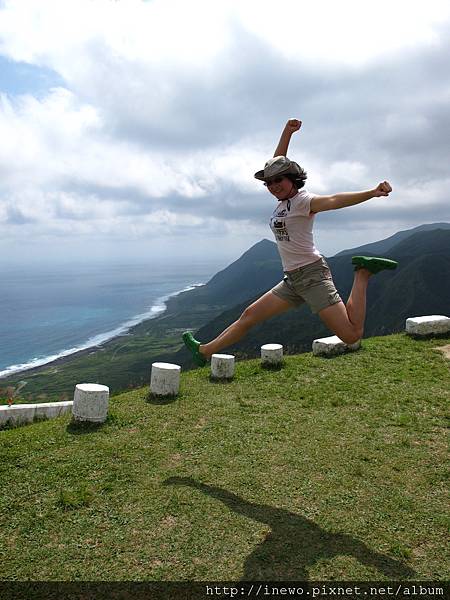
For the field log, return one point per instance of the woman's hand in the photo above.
(383, 189)
(293, 125)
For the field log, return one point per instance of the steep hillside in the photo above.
(254, 272)
(420, 285)
(383, 246)
(319, 471)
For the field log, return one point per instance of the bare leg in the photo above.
(264, 308)
(347, 322)
(356, 303)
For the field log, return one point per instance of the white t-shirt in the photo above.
(292, 225)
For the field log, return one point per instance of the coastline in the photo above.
(157, 310)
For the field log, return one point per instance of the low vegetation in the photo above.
(325, 469)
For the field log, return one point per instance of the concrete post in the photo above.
(330, 346)
(222, 366)
(271, 355)
(90, 402)
(165, 379)
(429, 325)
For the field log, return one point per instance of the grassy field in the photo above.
(326, 469)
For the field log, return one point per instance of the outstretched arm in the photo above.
(291, 127)
(342, 544)
(321, 203)
(258, 512)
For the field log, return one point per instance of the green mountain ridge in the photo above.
(254, 271)
(420, 285)
(385, 245)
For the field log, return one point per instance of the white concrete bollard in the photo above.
(18, 414)
(51, 410)
(271, 355)
(90, 402)
(222, 366)
(429, 325)
(331, 346)
(165, 379)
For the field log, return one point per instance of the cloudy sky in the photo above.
(132, 129)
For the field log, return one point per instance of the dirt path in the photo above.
(445, 350)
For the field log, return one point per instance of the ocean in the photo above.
(47, 312)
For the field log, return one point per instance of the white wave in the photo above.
(155, 310)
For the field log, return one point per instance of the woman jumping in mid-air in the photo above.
(307, 277)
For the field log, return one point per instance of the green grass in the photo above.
(326, 469)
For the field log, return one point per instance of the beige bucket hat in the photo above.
(279, 165)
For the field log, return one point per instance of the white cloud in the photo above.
(40, 138)
(346, 32)
(59, 138)
(169, 107)
(195, 33)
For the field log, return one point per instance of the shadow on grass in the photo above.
(274, 367)
(112, 421)
(82, 427)
(220, 380)
(161, 400)
(294, 542)
(429, 336)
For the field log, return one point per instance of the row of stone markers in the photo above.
(165, 377)
(90, 403)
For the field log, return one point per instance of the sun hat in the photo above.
(279, 165)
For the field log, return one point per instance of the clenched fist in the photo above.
(382, 189)
(293, 125)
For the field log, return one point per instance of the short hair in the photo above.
(299, 179)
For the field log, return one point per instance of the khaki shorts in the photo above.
(312, 284)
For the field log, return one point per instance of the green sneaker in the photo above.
(193, 346)
(373, 264)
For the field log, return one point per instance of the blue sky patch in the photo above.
(22, 78)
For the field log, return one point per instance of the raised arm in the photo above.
(291, 127)
(321, 203)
